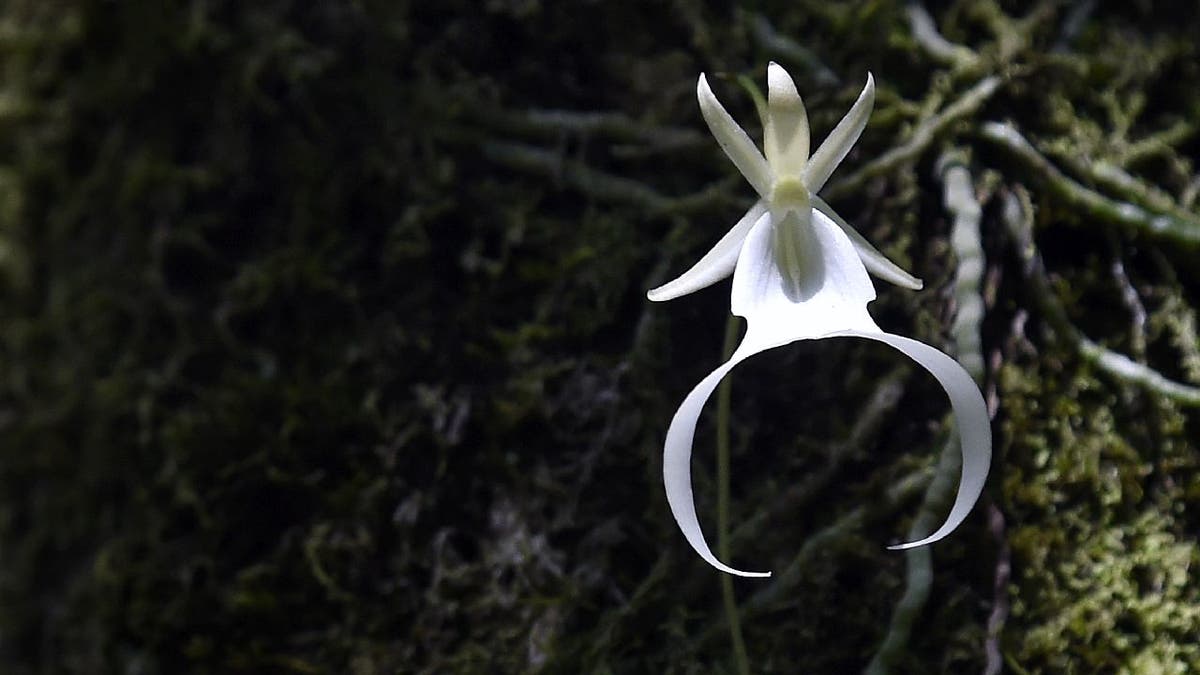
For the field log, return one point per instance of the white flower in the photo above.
(800, 273)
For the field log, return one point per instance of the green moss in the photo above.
(1104, 573)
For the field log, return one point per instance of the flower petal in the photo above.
(834, 307)
(836, 299)
(801, 273)
(717, 264)
(733, 140)
(875, 261)
(677, 465)
(833, 150)
(832, 296)
(970, 415)
(785, 133)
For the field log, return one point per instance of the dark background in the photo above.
(324, 345)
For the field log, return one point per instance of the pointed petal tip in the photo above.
(877, 264)
(752, 575)
(721, 567)
(903, 279)
(668, 291)
(971, 417)
(833, 150)
(913, 544)
(779, 83)
(716, 265)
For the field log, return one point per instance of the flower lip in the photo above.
(835, 305)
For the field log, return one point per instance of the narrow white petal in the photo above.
(717, 264)
(733, 140)
(875, 261)
(833, 150)
(677, 466)
(970, 416)
(785, 136)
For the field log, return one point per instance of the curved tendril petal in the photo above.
(970, 415)
(969, 411)
(785, 134)
(677, 466)
(843, 137)
(717, 264)
(877, 264)
(733, 140)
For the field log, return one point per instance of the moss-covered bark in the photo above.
(324, 346)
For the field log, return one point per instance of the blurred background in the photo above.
(324, 345)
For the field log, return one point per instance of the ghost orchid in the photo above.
(800, 273)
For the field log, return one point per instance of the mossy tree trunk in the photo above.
(324, 344)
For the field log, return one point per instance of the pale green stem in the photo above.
(780, 593)
(1092, 203)
(723, 549)
(775, 595)
(1018, 218)
(925, 32)
(959, 199)
(1120, 183)
(1158, 143)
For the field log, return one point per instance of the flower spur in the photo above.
(800, 273)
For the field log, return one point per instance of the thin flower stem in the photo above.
(780, 594)
(723, 549)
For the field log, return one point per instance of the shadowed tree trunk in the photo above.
(324, 345)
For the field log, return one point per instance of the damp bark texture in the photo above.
(324, 346)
